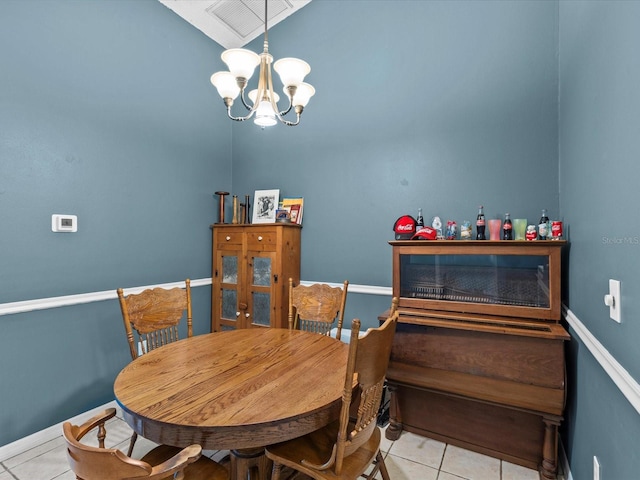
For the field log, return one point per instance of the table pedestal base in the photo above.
(250, 464)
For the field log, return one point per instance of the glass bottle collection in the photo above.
(544, 230)
(507, 228)
(480, 224)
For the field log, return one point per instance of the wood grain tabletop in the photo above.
(234, 389)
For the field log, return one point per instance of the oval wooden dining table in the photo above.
(235, 390)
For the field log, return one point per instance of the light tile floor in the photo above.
(411, 457)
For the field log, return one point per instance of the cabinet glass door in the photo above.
(262, 276)
(519, 280)
(228, 292)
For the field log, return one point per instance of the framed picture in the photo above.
(265, 204)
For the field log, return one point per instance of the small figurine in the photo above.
(531, 233)
(436, 223)
(465, 230)
(452, 228)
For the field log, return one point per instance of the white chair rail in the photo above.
(82, 298)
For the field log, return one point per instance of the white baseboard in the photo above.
(55, 431)
(48, 434)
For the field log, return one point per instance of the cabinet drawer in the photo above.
(262, 238)
(229, 237)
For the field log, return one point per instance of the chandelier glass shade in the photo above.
(264, 101)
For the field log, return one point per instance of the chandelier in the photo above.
(242, 63)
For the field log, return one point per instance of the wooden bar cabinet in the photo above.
(251, 267)
(478, 356)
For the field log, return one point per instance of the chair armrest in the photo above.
(178, 462)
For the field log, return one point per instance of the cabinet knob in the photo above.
(259, 238)
(237, 314)
(228, 238)
(246, 315)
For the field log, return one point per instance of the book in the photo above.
(295, 207)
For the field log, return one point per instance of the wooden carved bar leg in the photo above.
(277, 468)
(395, 421)
(250, 464)
(549, 467)
(381, 465)
(102, 434)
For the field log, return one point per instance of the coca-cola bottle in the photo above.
(420, 220)
(507, 228)
(543, 226)
(480, 225)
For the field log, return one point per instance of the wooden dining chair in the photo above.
(155, 315)
(152, 318)
(347, 447)
(344, 334)
(92, 461)
(316, 307)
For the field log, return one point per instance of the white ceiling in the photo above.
(233, 23)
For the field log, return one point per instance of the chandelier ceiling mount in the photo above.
(242, 63)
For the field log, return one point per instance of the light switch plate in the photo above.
(614, 308)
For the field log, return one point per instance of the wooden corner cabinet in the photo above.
(251, 268)
(478, 355)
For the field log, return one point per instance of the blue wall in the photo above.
(438, 105)
(599, 171)
(106, 112)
